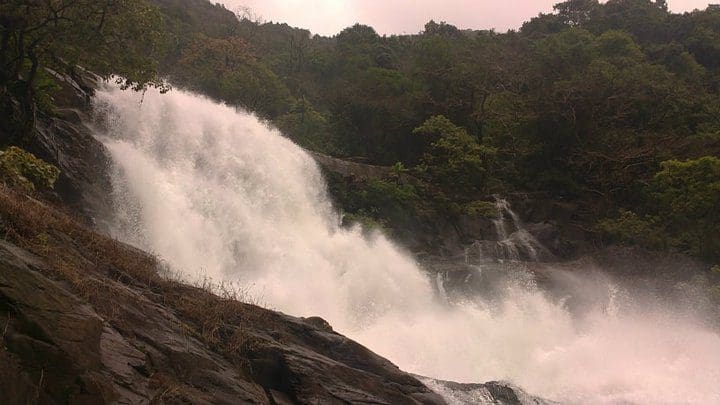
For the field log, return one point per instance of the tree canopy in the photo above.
(109, 37)
(585, 103)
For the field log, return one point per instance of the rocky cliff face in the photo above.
(65, 140)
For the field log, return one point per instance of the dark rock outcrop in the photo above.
(347, 168)
(57, 348)
(555, 224)
(490, 393)
(65, 140)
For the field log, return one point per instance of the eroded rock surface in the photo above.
(65, 140)
(57, 348)
(489, 393)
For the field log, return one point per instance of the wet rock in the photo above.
(52, 338)
(490, 393)
(476, 228)
(84, 184)
(319, 323)
(539, 206)
(557, 242)
(65, 140)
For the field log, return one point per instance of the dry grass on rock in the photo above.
(107, 273)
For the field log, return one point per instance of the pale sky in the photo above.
(328, 17)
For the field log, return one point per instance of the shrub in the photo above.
(454, 159)
(630, 228)
(22, 169)
(485, 209)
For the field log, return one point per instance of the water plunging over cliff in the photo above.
(216, 193)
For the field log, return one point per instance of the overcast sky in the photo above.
(328, 17)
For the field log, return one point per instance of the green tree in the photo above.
(359, 46)
(227, 68)
(454, 159)
(307, 127)
(576, 13)
(687, 197)
(106, 36)
(681, 211)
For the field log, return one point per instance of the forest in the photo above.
(614, 106)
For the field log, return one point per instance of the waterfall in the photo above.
(516, 245)
(216, 193)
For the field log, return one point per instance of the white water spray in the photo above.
(216, 193)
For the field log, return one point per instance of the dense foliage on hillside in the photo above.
(585, 103)
(40, 37)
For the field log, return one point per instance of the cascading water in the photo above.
(214, 192)
(516, 245)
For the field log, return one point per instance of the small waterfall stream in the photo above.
(513, 242)
(215, 192)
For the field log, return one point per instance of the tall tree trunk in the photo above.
(27, 99)
(5, 55)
